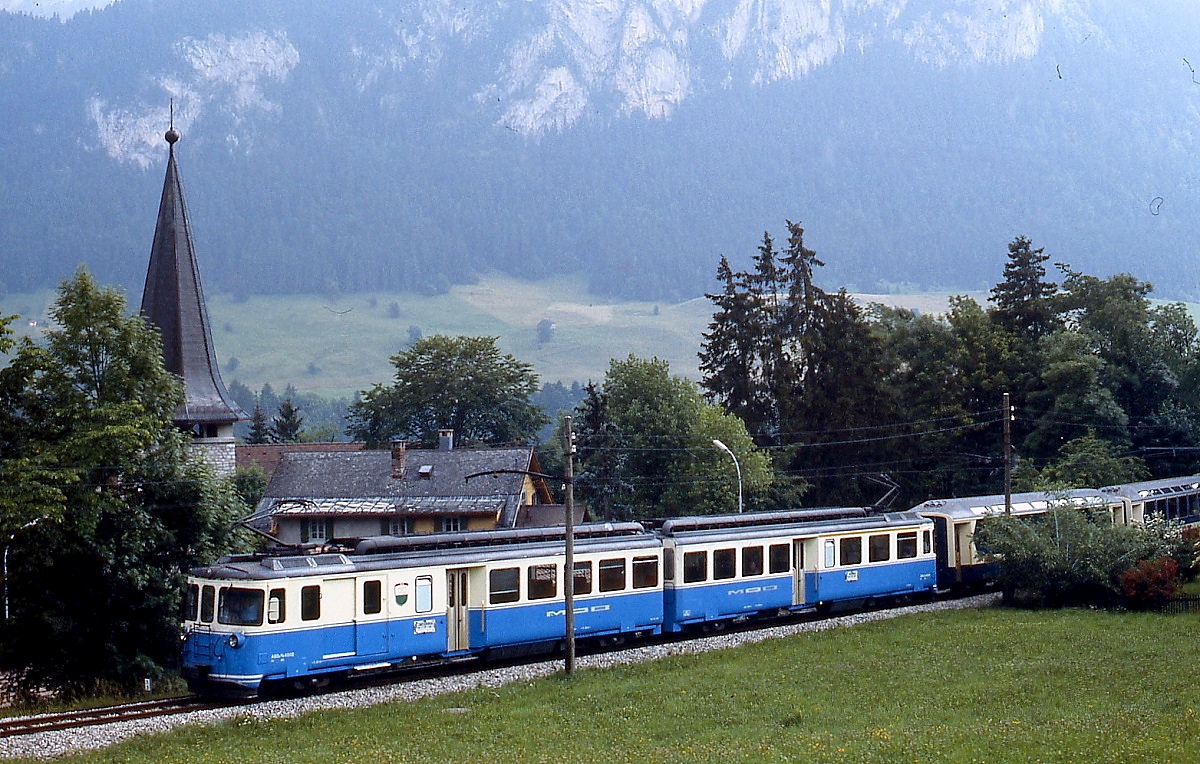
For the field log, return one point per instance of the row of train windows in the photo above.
(724, 562)
(844, 551)
(849, 550)
(541, 581)
(233, 606)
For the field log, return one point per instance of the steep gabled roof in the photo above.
(173, 301)
(369, 474)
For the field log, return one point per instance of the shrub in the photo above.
(1150, 582)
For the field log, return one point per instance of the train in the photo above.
(300, 618)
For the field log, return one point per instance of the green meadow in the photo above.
(991, 685)
(337, 345)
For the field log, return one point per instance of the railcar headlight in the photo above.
(234, 641)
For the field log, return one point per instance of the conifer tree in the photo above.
(286, 425)
(260, 428)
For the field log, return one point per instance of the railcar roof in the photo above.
(393, 552)
(1028, 503)
(834, 524)
(1151, 489)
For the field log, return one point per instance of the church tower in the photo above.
(173, 301)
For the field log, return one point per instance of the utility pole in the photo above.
(569, 558)
(1008, 417)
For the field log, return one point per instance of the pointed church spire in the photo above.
(173, 301)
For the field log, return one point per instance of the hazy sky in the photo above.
(64, 8)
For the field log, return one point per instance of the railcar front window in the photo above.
(612, 575)
(752, 561)
(241, 607)
(879, 548)
(543, 581)
(310, 603)
(191, 602)
(645, 572)
(504, 585)
(208, 604)
(695, 567)
(851, 550)
(906, 545)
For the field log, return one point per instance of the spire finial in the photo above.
(172, 134)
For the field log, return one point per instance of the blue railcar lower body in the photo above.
(213, 665)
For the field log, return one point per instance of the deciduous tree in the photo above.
(459, 383)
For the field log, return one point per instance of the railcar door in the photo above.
(798, 593)
(337, 610)
(457, 612)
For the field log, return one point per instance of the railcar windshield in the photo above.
(241, 607)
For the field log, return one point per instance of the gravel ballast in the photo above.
(50, 744)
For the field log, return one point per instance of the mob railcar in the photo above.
(303, 619)
(1174, 499)
(722, 569)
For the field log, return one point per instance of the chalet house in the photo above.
(314, 497)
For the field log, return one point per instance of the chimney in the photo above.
(399, 457)
(445, 440)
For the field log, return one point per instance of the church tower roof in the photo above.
(173, 301)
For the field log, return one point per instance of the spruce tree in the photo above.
(260, 428)
(286, 425)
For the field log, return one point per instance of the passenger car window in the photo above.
(830, 554)
(277, 606)
(612, 575)
(752, 561)
(781, 558)
(695, 567)
(424, 602)
(504, 585)
(583, 577)
(724, 564)
(879, 547)
(851, 550)
(906, 545)
(240, 607)
(645, 572)
(926, 543)
(543, 581)
(310, 603)
(372, 597)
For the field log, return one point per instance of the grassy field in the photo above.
(992, 685)
(335, 346)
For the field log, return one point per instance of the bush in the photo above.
(1150, 582)
(1072, 557)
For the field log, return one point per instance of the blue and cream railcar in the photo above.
(960, 563)
(397, 602)
(1173, 499)
(724, 568)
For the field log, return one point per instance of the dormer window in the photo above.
(426, 472)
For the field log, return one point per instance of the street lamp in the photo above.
(736, 466)
(7, 544)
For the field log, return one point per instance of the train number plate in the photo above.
(851, 575)
(427, 626)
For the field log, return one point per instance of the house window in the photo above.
(316, 529)
(451, 524)
(395, 526)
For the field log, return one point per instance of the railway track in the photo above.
(27, 725)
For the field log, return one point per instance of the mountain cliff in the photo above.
(367, 145)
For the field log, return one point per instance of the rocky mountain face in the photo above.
(367, 145)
